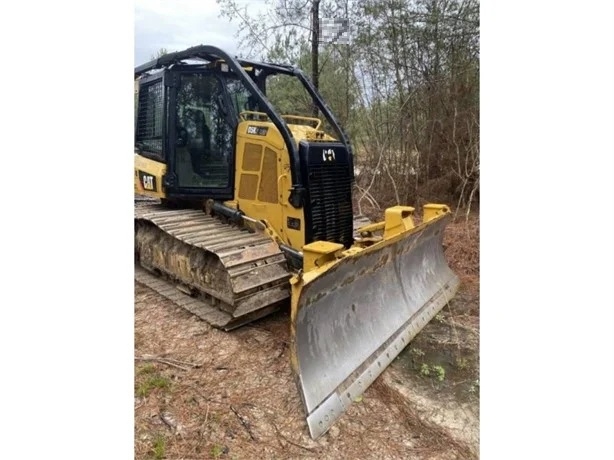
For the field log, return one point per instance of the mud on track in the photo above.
(201, 393)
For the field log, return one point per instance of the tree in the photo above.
(287, 26)
(419, 73)
(161, 52)
(406, 89)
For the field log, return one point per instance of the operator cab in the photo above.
(189, 105)
(202, 106)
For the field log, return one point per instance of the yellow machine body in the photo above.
(262, 176)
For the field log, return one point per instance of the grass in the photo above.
(159, 447)
(217, 450)
(440, 373)
(475, 387)
(152, 382)
(416, 352)
(146, 369)
(462, 363)
(436, 372)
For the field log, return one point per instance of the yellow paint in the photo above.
(307, 120)
(153, 168)
(398, 219)
(372, 227)
(319, 253)
(231, 204)
(431, 210)
(309, 133)
(263, 164)
(312, 271)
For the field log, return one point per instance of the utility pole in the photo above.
(315, 41)
(347, 67)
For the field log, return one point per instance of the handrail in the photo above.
(301, 117)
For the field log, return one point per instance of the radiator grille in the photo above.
(252, 157)
(150, 117)
(330, 194)
(268, 178)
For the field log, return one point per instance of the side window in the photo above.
(149, 125)
(204, 138)
(239, 96)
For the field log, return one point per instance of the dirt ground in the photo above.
(202, 393)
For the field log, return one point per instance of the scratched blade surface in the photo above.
(354, 319)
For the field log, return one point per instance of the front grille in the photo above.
(330, 198)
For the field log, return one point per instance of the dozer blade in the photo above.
(354, 316)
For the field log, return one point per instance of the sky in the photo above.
(180, 24)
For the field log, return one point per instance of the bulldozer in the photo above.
(241, 210)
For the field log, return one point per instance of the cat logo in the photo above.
(148, 182)
(328, 155)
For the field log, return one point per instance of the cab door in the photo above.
(201, 137)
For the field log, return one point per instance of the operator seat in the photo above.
(199, 140)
